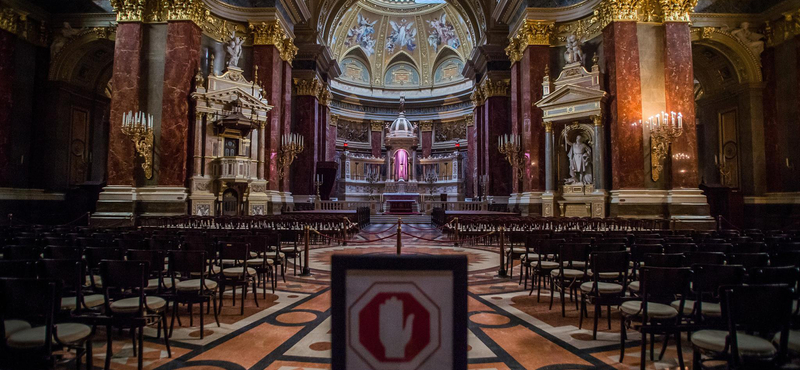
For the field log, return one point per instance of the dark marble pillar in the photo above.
(307, 116)
(7, 40)
(270, 75)
(125, 97)
(471, 167)
(516, 113)
(376, 129)
(497, 122)
(427, 138)
(181, 62)
(330, 137)
(535, 60)
(679, 83)
(624, 86)
(772, 149)
(286, 126)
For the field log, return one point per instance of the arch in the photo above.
(734, 50)
(67, 54)
(448, 70)
(447, 52)
(402, 56)
(355, 66)
(401, 74)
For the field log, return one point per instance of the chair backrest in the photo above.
(63, 252)
(638, 251)
(709, 278)
(239, 251)
(609, 247)
(788, 246)
(187, 263)
(95, 255)
(679, 247)
(772, 313)
(715, 247)
(789, 275)
(71, 273)
(785, 258)
(748, 260)
(17, 269)
(664, 284)
(124, 279)
(573, 252)
(703, 258)
(258, 243)
(21, 252)
(155, 258)
(16, 302)
(132, 243)
(749, 247)
(603, 262)
(663, 259)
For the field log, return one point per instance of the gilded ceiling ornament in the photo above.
(677, 10)
(307, 87)
(529, 33)
(426, 126)
(376, 125)
(491, 88)
(186, 10)
(129, 10)
(9, 20)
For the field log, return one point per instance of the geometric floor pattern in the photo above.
(290, 329)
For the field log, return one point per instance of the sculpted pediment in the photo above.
(570, 95)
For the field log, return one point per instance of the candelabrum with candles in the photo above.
(510, 146)
(724, 170)
(139, 126)
(664, 128)
(317, 184)
(372, 177)
(483, 181)
(291, 146)
(431, 177)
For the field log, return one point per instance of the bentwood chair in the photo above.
(191, 286)
(609, 275)
(234, 271)
(71, 274)
(569, 274)
(542, 267)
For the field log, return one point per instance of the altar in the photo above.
(401, 202)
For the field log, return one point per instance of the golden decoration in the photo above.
(129, 10)
(529, 33)
(426, 126)
(548, 126)
(376, 125)
(476, 97)
(469, 120)
(185, 10)
(310, 87)
(289, 50)
(677, 10)
(707, 31)
(597, 120)
(619, 10)
(273, 34)
(325, 96)
(334, 120)
(782, 29)
(9, 20)
(491, 88)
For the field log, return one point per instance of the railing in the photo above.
(234, 168)
(330, 205)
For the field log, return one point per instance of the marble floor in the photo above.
(290, 329)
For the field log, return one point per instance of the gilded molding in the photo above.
(426, 126)
(469, 120)
(619, 10)
(186, 10)
(376, 125)
(129, 10)
(783, 29)
(311, 87)
(9, 20)
(548, 126)
(491, 88)
(325, 96)
(597, 120)
(529, 33)
(677, 10)
(334, 120)
(273, 34)
(476, 97)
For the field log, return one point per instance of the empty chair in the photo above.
(679, 248)
(71, 274)
(664, 260)
(236, 273)
(609, 275)
(17, 269)
(571, 260)
(748, 260)
(715, 247)
(703, 258)
(706, 282)
(63, 252)
(186, 272)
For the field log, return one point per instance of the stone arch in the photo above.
(80, 49)
(402, 56)
(749, 65)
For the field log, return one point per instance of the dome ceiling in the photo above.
(401, 44)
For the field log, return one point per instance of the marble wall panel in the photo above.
(532, 70)
(7, 41)
(771, 146)
(126, 79)
(679, 87)
(497, 118)
(307, 116)
(270, 75)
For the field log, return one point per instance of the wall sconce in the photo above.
(139, 126)
(664, 128)
(291, 146)
(510, 146)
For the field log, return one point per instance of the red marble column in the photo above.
(7, 40)
(304, 167)
(497, 117)
(771, 129)
(516, 113)
(532, 70)
(376, 142)
(125, 97)
(270, 74)
(330, 138)
(322, 129)
(471, 170)
(181, 60)
(679, 82)
(621, 49)
(286, 127)
(427, 143)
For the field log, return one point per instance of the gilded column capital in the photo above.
(309, 87)
(619, 10)
(469, 120)
(289, 50)
(185, 10)
(476, 97)
(272, 33)
(491, 88)
(129, 10)
(597, 120)
(548, 126)
(426, 126)
(334, 120)
(376, 125)
(325, 96)
(9, 20)
(529, 33)
(677, 10)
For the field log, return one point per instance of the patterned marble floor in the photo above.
(290, 329)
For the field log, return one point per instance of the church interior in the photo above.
(184, 183)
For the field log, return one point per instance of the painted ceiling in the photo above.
(403, 45)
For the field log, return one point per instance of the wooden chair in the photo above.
(609, 276)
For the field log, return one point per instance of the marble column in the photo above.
(7, 40)
(262, 148)
(181, 63)
(376, 130)
(679, 93)
(270, 74)
(286, 126)
(772, 150)
(497, 122)
(307, 117)
(599, 154)
(126, 79)
(549, 183)
(624, 86)
(533, 67)
(330, 147)
(426, 127)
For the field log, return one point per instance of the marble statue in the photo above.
(67, 33)
(574, 54)
(753, 40)
(234, 49)
(580, 161)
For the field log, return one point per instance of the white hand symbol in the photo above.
(394, 336)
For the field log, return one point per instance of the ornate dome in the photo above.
(401, 127)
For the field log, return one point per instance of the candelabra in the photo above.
(317, 184)
(139, 126)
(372, 177)
(724, 170)
(484, 183)
(291, 146)
(664, 128)
(510, 146)
(431, 177)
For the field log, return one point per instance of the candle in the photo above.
(680, 120)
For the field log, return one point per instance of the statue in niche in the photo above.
(574, 54)
(749, 38)
(234, 49)
(580, 160)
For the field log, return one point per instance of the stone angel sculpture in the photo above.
(580, 160)
(753, 40)
(234, 49)
(574, 54)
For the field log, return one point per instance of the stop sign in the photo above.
(394, 326)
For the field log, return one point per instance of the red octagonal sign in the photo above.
(394, 326)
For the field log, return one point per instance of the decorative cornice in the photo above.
(272, 33)
(129, 10)
(325, 96)
(529, 33)
(469, 120)
(334, 120)
(619, 10)
(426, 126)
(376, 125)
(476, 97)
(9, 20)
(185, 10)
(310, 87)
(677, 10)
(491, 88)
